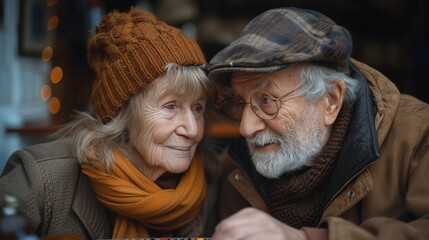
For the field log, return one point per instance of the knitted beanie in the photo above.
(129, 51)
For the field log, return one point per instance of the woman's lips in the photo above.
(179, 148)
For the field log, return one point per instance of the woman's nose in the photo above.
(188, 124)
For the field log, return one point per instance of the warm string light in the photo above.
(45, 92)
(54, 105)
(53, 22)
(56, 73)
(51, 3)
(47, 54)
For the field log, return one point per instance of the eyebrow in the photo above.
(260, 85)
(183, 95)
(202, 97)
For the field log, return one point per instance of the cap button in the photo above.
(231, 64)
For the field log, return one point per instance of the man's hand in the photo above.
(251, 223)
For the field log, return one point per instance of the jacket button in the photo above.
(238, 177)
(350, 194)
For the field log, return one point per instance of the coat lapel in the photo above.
(93, 215)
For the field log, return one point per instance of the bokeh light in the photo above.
(45, 92)
(56, 75)
(54, 105)
(47, 54)
(53, 22)
(51, 3)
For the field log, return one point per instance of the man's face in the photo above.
(293, 137)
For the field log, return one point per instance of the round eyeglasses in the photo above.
(262, 104)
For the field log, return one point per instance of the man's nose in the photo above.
(250, 123)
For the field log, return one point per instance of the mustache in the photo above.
(264, 138)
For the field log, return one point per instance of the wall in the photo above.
(391, 36)
(21, 78)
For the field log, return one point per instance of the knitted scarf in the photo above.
(295, 198)
(140, 204)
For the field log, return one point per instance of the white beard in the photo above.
(297, 147)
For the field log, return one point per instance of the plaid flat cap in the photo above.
(279, 37)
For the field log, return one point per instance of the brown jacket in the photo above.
(58, 198)
(380, 185)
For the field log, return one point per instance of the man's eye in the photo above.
(265, 99)
(237, 101)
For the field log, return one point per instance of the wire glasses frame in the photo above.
(262, 104)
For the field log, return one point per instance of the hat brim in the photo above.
(223, 74)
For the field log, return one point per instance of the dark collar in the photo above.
(360, 148)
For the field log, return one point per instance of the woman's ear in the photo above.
(334, 101)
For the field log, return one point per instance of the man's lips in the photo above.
(266, 146)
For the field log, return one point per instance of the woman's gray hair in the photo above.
(317, 80)
(94, 142)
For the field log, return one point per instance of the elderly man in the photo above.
(330, 148)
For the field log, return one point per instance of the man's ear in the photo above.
(334, 101)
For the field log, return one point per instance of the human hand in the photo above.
(251, 223)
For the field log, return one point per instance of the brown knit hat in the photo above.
(129, 51)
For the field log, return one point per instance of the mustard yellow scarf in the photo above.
(139, 203)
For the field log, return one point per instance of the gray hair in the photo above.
(314, 89)
(93, 142)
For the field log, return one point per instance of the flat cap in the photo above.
(279, 37)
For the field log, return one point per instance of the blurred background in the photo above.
(44, 76)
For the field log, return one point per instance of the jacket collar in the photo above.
(386, 98)
(360, 148)
(239, 151)
(93, 215)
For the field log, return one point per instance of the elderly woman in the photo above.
(134, 169)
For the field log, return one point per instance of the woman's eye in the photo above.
(199, 108)
(170, 106)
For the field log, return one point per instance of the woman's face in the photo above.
(172, 126)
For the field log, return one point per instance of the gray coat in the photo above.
(53, 193)
(59, 201)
